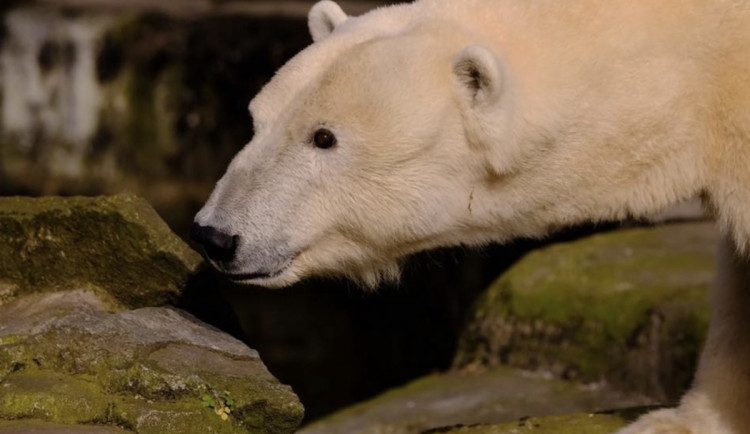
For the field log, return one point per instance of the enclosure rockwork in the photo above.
(86, 337)
(613, 320)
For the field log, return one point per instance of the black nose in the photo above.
(218, 245)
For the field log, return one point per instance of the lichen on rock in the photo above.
(115, 245)
(579, 423)
(85, 342)
(629, 307)
(65, 360)
(490, 397)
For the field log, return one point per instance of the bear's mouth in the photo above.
(241, 277)
(260, 276)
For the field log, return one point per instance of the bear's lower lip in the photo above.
(254, 276)
(246, 277)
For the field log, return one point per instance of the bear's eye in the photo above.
(324, 139)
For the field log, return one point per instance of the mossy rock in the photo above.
(32, 426)
(497, 395)
(77, 400)
(65, 360)
(115, 245)
(579, 423)
(629, 307)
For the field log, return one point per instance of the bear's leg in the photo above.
(719, 402)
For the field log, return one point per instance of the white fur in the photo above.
(323, 19)
(482, 120)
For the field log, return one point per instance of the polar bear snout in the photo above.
(243, 257)
(219, 246)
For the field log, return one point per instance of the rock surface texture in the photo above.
(468, 399)
(115, 245)
(614, 320)
(579, 423)
(73, 353)
(629, 307)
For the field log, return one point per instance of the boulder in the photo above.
(72, 354)
(116, 246)
(629, 307)
(66, 360)
(467, 399)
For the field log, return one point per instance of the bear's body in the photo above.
(448, 122)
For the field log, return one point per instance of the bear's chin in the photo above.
(370, 278)
(275, 280)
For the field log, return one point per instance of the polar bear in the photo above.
(446, 122)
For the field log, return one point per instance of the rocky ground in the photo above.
(457, 399)
(614, 320)
(87, 343)
(88, 340)
(628, 307)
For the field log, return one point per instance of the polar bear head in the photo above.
(367, 146)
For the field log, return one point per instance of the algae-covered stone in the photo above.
(31, 426)
(582, 423)
(116, 245)
(498, 395)
(74, 400)
(629, 307)
(49, 395)
(63, 359)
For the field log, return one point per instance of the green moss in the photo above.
(50, 396)
(158, 382)
(577, 423)
(565, 424)
(11, 339)
(150, 383)
(261, 403)
(39, 426)
(598, 308)
(494, 395)
(117, 244)
(64, 399)
(613, 279)
(72, 400)
(176, 417)
(263, 416)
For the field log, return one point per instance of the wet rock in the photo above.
(116, 245)
(490, 397)
(151, 370)
(629, 307)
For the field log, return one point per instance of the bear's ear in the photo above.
(323, 18)
(480, 73)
